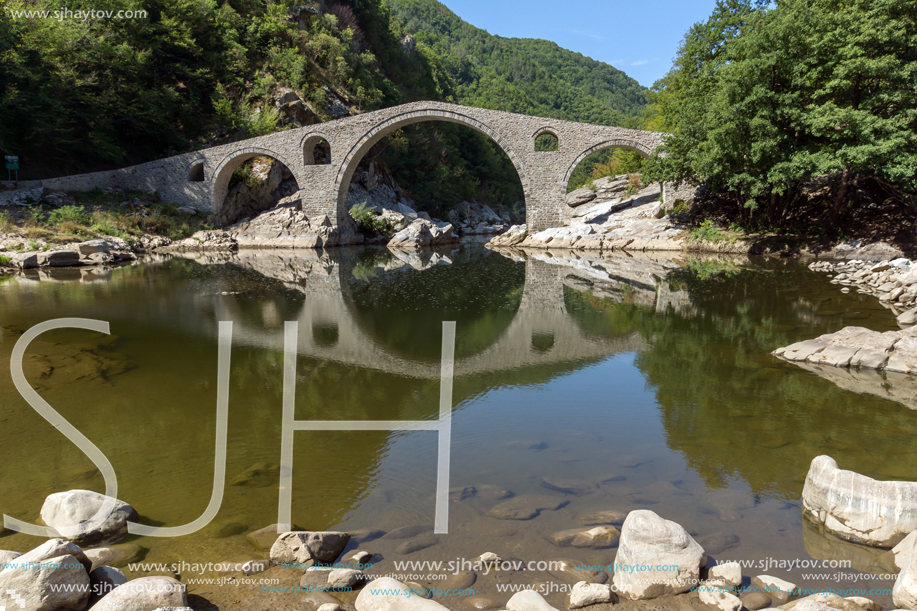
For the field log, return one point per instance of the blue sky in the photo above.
(639, 37)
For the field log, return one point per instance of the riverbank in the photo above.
(614, 215)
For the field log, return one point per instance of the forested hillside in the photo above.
(534, 77)
(80, 95)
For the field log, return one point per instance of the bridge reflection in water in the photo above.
(540, 332)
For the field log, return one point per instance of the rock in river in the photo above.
(422, 233)
(577, 487)
(86, 517)
(859, 508)
(598, 537)
(649, 540)
(301, 547)
(526, 506)
(144, 594)
(62, 586)
(390, 595)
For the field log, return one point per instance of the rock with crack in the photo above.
(301, 547)
(894, 351)
(858, 508)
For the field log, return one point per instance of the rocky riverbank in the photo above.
(85, 564)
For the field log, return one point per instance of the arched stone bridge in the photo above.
(201, 179)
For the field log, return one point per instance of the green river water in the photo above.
(648, 381)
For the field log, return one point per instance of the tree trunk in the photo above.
(840, 199)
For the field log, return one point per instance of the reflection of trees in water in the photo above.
(404, 311)
(731, 408)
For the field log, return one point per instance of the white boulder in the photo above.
(60, 584)
(528, 600)
(859, 508)
(717, 594)
(584, 594)
(649, 541)
(301, 547)
(86, 517)
(144, 594)
(387, 594)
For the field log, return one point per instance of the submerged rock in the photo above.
(859, 508)
(598, 537)
(526, 507)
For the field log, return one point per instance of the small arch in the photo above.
(326, 334)
(631, 145)
(196, 173)
(542, 342)
(316, 150)
(546, 140)
(229, 164)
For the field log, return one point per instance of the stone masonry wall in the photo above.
(544, 175)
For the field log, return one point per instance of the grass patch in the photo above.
(5, 260)
(6, 223)
(98, 214)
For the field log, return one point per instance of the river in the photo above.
(616, 384)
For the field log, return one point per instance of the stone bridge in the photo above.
(201, 179)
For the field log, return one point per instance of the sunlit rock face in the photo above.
(859, 508)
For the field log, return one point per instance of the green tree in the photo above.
(765, 97)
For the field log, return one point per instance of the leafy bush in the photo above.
(74, 215)
(5, 260)
(369, 221)
(707, 231)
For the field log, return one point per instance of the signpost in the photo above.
(12, 165)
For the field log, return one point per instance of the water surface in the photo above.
(648, 379)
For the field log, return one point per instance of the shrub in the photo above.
(6, 223)
(368, 221)
(634, 184)
(72, 214)
(708, 232)
(5, 260)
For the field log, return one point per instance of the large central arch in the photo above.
(352, 158)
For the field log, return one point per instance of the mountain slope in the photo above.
(522, 75)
